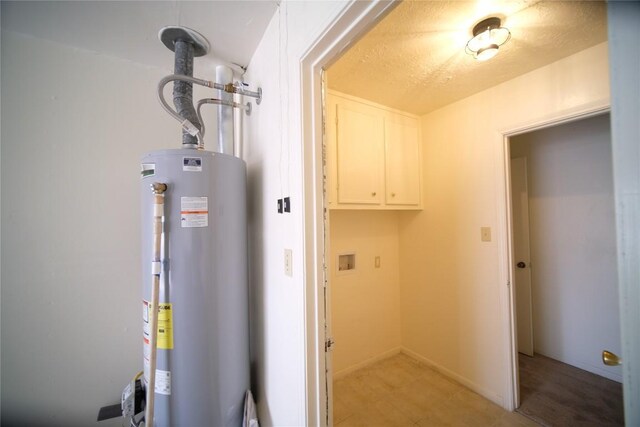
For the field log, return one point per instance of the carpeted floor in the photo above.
(556, 394)
(402, 392)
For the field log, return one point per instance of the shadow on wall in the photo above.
(258, 319)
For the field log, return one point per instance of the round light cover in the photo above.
(488, 36)
(487, 52)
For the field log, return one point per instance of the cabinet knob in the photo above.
(393, 194)
(373, 194)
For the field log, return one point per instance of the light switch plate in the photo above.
(288, 261)
(485, 234)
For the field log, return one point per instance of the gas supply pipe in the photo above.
(158, 190)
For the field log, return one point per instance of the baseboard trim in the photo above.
(495, 398)
(365, 363)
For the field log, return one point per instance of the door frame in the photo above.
(506, 255)
(353, 21)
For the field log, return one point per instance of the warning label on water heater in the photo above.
(163, 382)
(194, 211)
(165, 326)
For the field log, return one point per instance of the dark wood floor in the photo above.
(553, 394)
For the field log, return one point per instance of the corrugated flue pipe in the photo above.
(183, 91)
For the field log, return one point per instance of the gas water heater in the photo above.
(194, 259)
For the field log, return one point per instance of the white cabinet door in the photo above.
(360, 153)
(402, 155)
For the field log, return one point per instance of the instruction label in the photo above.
(192, 164)
(194, 211)
(165, 327)
(163, 382)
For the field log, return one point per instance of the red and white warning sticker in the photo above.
(145, 338)
(194, 211)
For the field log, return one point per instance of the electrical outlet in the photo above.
(287, 204)
(280, 206)
(288, 261)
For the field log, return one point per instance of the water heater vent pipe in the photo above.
(186, 44)
(183, 90)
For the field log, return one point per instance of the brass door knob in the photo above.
(521, 265)
(610, 359)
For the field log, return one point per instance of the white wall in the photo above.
(365, 303)
(74, 124)
(573, 244)
(452, 298)
(273, 151)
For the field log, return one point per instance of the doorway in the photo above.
(451, 283)
(565, 273)
(347, 27)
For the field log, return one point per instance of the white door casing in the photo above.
(353, 20)
(624, 69)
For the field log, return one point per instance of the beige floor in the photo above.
(400, 391)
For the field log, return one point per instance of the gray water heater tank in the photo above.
(203, 330)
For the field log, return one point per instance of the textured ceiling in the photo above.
(129, 29)
(414, 58)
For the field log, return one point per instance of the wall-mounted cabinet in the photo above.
(373, 156)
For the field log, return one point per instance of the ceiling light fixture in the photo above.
(488, 36)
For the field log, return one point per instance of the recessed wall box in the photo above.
(346, 263)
